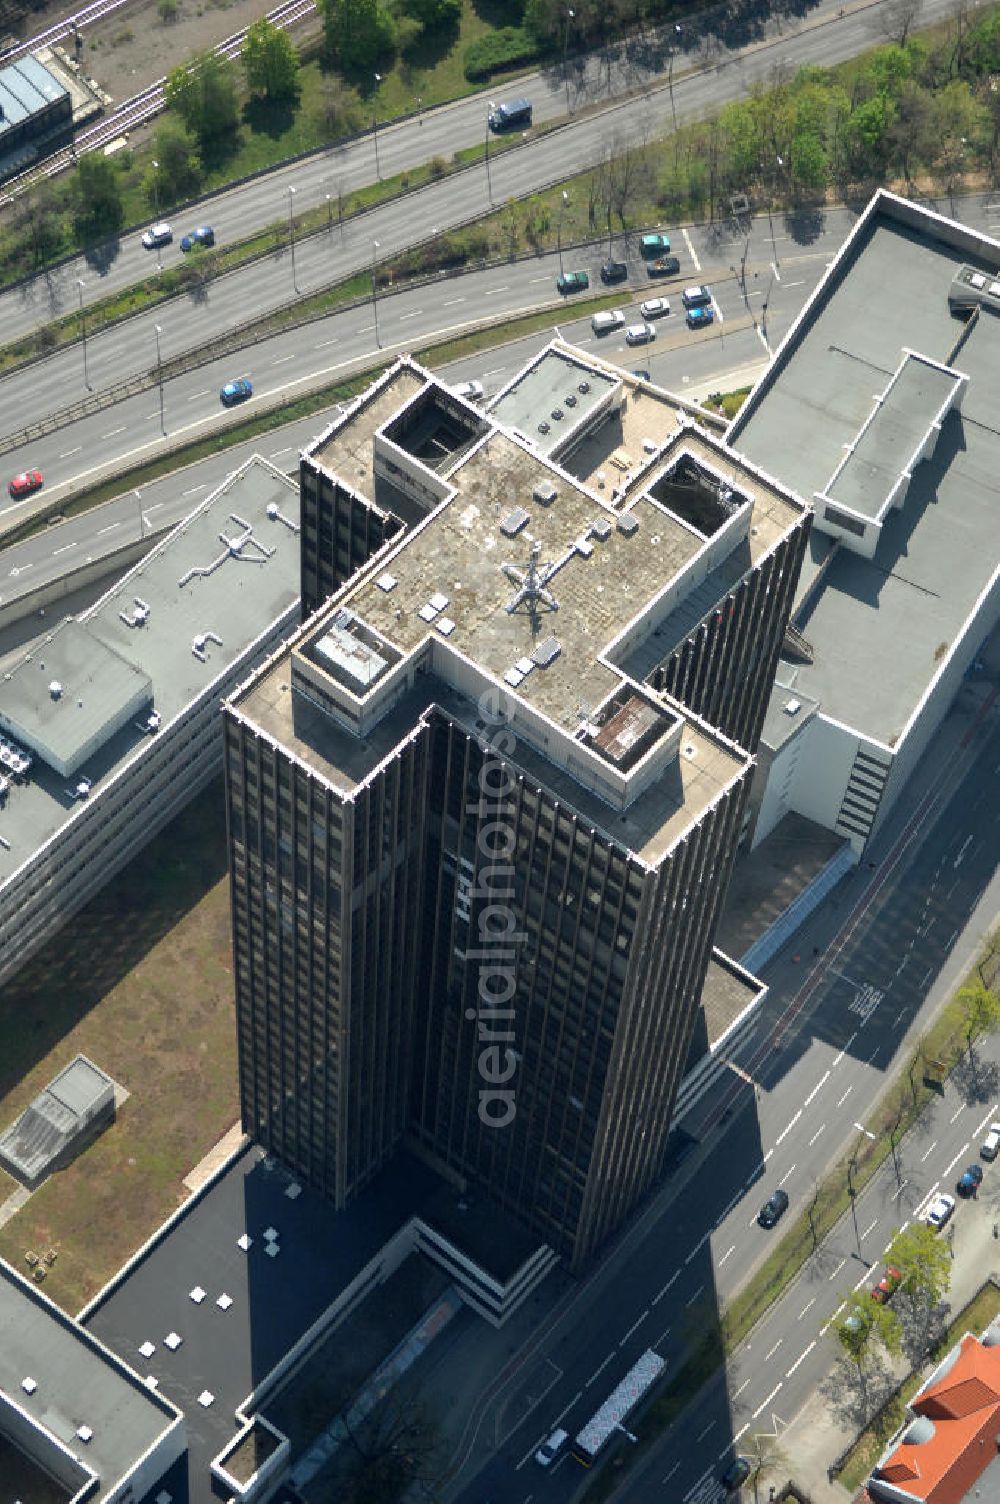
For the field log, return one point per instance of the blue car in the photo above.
(236, 391)
(971, 1180)
(204, 235)
(700, 318)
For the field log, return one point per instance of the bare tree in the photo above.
(897, 18)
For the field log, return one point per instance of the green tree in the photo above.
(865, 1325)
(922, 1259)
(202, 92)
(979, 1009)
(270, 61)
(865, 136)
(179, 174)
(434, 15)
(358, 33)
(37, 223)
(98, 210)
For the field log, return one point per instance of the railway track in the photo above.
(137, 110)
(96, 11)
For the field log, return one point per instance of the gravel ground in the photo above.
(132, 48)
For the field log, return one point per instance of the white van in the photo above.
(549, 1450)
(603, 323)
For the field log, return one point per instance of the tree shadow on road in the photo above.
(977, 1079)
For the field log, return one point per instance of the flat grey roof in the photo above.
(880, 627)
(274, 1299)
(78, 1383)
(894, 433)
(234, 595)
(57, 701)
(555, 383)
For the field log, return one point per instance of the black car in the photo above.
(614, 271)
(971, 1180)
(774, 1207)
(736, 1474)
(663, 266)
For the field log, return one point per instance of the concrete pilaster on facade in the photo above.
(530, 698)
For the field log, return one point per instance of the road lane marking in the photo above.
(726, 1255)
(336, 340)
(957, 1114)
(694, 1297)
(662, 1337)
(741, 1389)
(806, 1308)
(769, 1399)
(844, 1098)
(278, 452)
(847, 1046)
(838, 1269)
(490, 292)
(816, 1135)
(786, 1131)
(928, 1151)
(803, 1358)
(598, 1371)
(774, 1349)
(111, 433)
(787, 1175)
(64, 548)
(667, 1476)
(71, 451)
(455, 301)
(734, 1202)
(861, 1280)
(699, 1245)
(404, 316)
(691, 250)
(815, 1089)
(702, 1434)
(987, 1119)
(193, 489)
(659, 1296)
(961, 855)
(195, 395)
(964, 1150)
(868, 1229)
(154, 508)
(695, 1487)
(284, 359)
(109, 529)
(742, 1431)
(636, 1323)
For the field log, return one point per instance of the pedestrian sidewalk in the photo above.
(814, 1438)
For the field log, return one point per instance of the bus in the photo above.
(618, 1406)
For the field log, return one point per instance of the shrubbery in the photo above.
(507, 48)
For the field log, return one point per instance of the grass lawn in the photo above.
(141, 982)
(980, 1311)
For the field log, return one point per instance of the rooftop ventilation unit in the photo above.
(445, 625)
(427, 612)
(570, 399)
(543, 427)
(512, 677)
(583, 388)
(386, 581)
(583, 546)
(544, 493)
(438, 601)
(628, 524)
(514, 522)
(557, 414)
(792, 707)
(55, 689)
(547, 651)
(601, 528)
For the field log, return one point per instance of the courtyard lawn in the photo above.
(141, 982)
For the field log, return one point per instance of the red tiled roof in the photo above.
(964, 1408)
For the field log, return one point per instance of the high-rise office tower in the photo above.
(478, 853)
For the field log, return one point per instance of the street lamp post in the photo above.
(378, 170)
(420, 110)
(670, 75)
(770, 221)
(569, 17)
(562, 211)
(489, 181)
(156, 209)
(291, 231)
(83, 331)
(375, 292)
(159, 374)
(329, 215)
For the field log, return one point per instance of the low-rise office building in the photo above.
(36, 114)
(76, 1423)
(878, 409)
(110, 724)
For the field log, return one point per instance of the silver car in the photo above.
(639, 334)
(940, 1210)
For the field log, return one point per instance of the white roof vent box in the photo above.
(544, 493)
(792, 707)
(55, 689)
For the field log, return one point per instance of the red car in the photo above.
(25, 483)
(887, 1285)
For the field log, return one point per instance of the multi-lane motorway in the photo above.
(880, 954)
